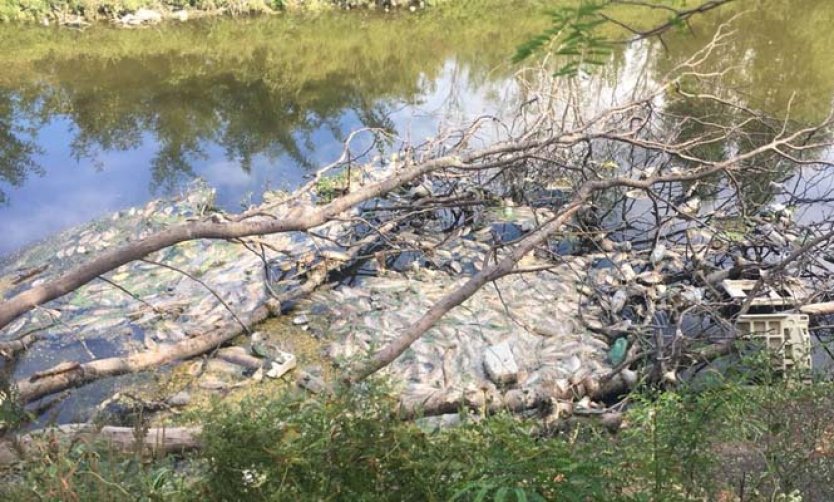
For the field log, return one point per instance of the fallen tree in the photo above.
(155, 441)
(648, 164)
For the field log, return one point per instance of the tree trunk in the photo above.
(157, 441)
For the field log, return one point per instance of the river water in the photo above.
(100, 120)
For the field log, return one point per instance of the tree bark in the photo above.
(824, 308)
(80, 374)
(156, 441)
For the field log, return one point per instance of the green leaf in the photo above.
(482, 494)
(502, 494)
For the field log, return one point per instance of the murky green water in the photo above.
(103, 119)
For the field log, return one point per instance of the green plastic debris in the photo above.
(617, 353)
(260, 350)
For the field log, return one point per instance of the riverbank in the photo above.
(133, 13)
(735, 442)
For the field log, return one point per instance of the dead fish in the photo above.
(658, 253)
(211, 383)
(624, 246)
(618, 301)
(335, 255)
(627, 272)
(636, 193)
(691, 206)
(572, 364)
(28, 274)
(620, 257)
(650, 278)
(692, 295)
(444, 254)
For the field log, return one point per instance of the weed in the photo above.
(725, 440)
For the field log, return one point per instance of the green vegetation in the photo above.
(11, 413)
(329, 187)
(720, 440)
(68, 11)
(355, 449)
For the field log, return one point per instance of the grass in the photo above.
(97, 10)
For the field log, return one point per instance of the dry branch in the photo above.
(583, 196)
(65, 376)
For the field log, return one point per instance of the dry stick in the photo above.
(678, 16)
(780, 267)
(396, 347)
(276, 304)
(9, 348)
(56, 318)
(156, 440)
(128, 293)
(113, 366)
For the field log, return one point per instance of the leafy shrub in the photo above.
(726, 440)
(82, 471)
(354, 448)
(749, 434)
(11, 413)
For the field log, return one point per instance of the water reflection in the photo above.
(16, 150)
(113, 118)
(94, 121)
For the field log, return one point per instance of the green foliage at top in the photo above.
(578, 40)
(767, 66)
(575, 36)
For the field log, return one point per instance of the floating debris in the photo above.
(311, 382)
(282, 364)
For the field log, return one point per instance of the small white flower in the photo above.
(252, 478)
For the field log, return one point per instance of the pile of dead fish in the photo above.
(522, 332)
(143, 305)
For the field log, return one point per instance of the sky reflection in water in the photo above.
(254, 104)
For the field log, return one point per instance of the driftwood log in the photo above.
(156, 441)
